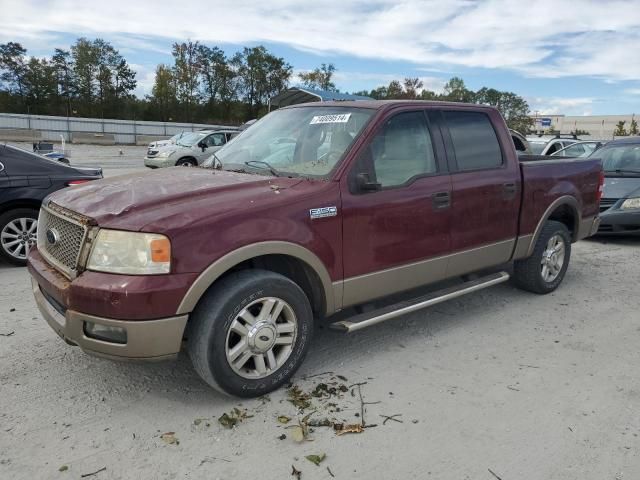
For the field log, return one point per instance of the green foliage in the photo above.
(202, 84)
(620, 131)
(633, 127)
(319, 78)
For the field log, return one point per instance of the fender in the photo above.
(231, 259)
(558, 202)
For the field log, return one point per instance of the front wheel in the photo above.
(18, 233)
(250, 332)
(186, 162)
(544, 270)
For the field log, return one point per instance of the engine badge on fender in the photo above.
(323, 212)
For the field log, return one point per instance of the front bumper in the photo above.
(619, 222)
(157, 162)
(146, 340)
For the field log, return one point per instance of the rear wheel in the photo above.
(186, 162)
(544, 270)
(18, 230)
(250, 332)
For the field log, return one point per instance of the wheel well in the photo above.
(192, 159)
(294, 269)
(567, 215)
(13, 205)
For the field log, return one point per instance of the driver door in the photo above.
(396, 236)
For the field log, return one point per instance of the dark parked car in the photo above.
(25, 180)
(620, 204)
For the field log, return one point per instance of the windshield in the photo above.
(300, 141)
(190, 139)
(620, 158)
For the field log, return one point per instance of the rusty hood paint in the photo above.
(131, 202)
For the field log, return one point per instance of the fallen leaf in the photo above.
(282, 437)
(284, 419)
(297, 433)
(63, 468)
(316, 459)
(299, 398)
(342, 377)
(227, 421)
(170, 438)
(295, 472)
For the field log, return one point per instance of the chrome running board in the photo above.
(367, 319)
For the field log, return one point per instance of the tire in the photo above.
(11, 231)
(529, 273)
(213, 338)
(186, 162)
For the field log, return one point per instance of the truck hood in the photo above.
(168, 196)
(621, 187)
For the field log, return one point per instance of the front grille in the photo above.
(60, 239)
(607, 203)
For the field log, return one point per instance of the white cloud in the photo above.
(633, 91)
(545, 38)
(561, 105)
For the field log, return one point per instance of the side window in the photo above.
(401, 150)
(475, 142)
(216, 140)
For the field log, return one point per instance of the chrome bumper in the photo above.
(146, 339)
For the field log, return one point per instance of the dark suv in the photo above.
(25, 180)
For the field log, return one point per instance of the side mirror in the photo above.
(364, 184)
(202, 145)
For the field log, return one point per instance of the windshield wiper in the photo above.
(622, 170)
(266, 166)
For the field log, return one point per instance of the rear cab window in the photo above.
(475, 142)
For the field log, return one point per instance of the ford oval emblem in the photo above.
(52, 236)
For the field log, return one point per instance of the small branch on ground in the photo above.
(85, 475)
(391, 417)
(494, 474)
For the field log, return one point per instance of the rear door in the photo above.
(486, 190)
(395, 237)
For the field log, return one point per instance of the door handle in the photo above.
(509, 189)
(441, 200)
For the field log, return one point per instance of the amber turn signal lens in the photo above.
(160, 250)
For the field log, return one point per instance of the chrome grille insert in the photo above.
(607, 203)
(60, 239)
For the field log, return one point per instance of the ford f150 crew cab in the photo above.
(353, 202)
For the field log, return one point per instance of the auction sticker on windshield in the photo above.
(339, 118)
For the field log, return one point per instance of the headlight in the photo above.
(132, 253)
(166, 153)
(631, 204)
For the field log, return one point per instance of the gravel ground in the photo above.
(529, 387)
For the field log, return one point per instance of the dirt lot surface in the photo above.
(503, 381)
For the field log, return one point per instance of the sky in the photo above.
(572, 57)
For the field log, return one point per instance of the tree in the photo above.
(12, 69)
(411, 87)
(514, 108)
(63, 65)
(213, 68)
(633, 127)
(39, 83)
(261, 76)
(319, 78)
(620, 130)
(163, 93)
(456, 91)
(186, 72)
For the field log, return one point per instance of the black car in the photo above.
(620, 204)
(25, 180)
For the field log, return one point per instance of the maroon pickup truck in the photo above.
(315, 208)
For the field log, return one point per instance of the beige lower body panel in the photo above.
(587, 227)
(146, 339)
(364, 288)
